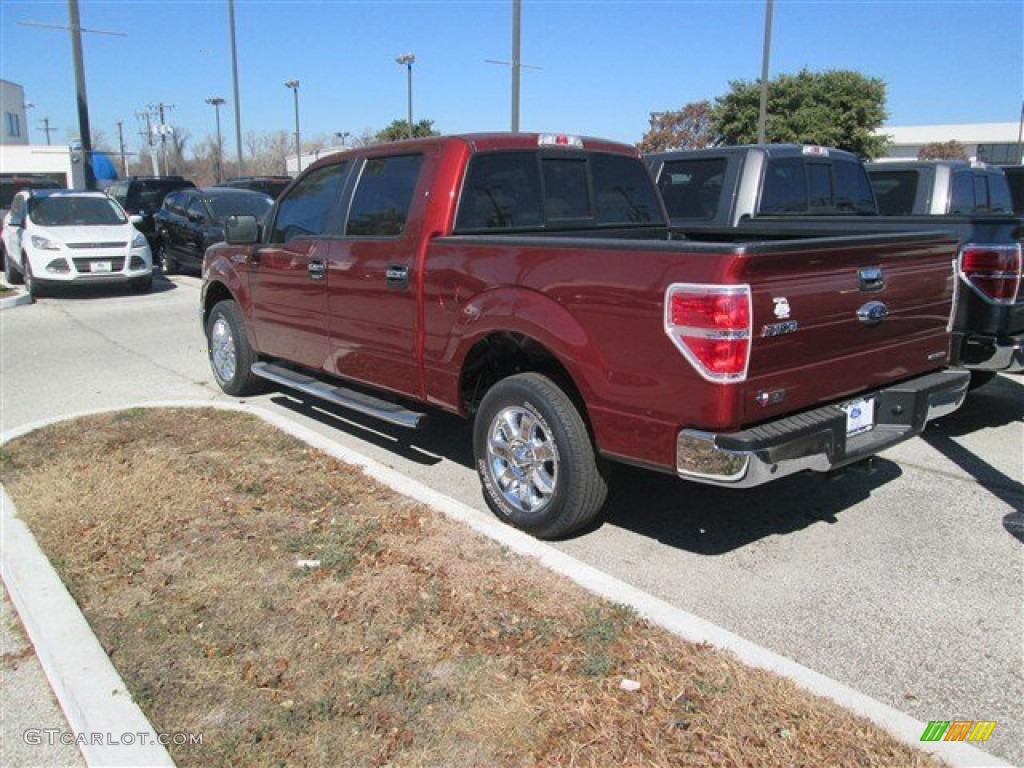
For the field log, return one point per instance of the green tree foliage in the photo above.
(943, 150)
(399, 129)
(687, 128)
(837, 108)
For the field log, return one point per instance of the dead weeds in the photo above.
(258, 592)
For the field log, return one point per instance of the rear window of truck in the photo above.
(527, 190)
(794, 185)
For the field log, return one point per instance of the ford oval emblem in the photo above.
(873, 313)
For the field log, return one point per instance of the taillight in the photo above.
(711, 326)
(994, 271)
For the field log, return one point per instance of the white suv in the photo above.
(73, 237)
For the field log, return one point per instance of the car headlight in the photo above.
(45, 243)
(139, 240)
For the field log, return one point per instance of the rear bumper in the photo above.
(816, 440)
(985, 353)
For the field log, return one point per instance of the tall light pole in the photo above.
(517, 14)
(407, 59)
(234, 77)
(762, 116)
(294, 85)
(217, 102)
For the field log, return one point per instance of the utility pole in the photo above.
(148, 135)
(120, 142)
(47, 129)
(163, 129)
(517, 14)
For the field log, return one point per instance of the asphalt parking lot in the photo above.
(907, 583)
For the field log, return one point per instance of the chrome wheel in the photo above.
(522, 459)
(222, 349)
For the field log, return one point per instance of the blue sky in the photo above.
(604, 66)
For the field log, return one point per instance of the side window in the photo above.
(623, 191)
(980, 192)
(380, 205)
(119, 192)
(196, 210)
(174, 203)
(691, 188)
(784, 189)
(565, 189)
(895, 191)
(307, 209)
(999, 198)
(962, 193)
(502, 191)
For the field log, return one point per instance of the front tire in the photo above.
(168, 265)
(231, 356)
(535, 458)
(34, 287)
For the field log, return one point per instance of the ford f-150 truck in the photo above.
(790, 190)
(531, 282)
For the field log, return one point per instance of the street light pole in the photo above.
(762, 116)
(517, 14)
(294, 85)
(217, 102)
(407, 59)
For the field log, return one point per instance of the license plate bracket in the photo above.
(860, 415)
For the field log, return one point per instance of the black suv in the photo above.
(268, 185)
(143, 195)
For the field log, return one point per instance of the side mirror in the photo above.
(135, 219)
(195, 218)
(241, 230)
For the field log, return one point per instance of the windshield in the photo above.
(239, 205)
(70, 211)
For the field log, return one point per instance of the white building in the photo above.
(997, 143)
(308, 158)
(14, 129)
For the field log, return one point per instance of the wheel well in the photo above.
(500, 355)
(215, 293)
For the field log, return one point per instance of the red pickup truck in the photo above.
(532, 282)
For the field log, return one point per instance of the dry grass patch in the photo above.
(413, 643)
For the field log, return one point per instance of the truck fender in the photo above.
(222, 283)
(534, 317)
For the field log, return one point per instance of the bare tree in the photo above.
(687, 128)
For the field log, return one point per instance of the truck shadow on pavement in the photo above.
(699, 518)
(998, 403)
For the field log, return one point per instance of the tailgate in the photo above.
(833, 317)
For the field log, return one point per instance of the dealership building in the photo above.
(996, 143)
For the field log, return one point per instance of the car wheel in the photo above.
(535, 458)
(33, 286)
(231, 356)
(142, 284)
(168, 266)
(11, 273)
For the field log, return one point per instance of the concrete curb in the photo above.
(20, 298)
(900, 725)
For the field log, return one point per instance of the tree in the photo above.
(687, 128)
(399, 129)
(837, 108)
(943, 150)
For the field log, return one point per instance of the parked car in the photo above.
(143, 195)
(191, 220)
(532, 283)
(73, 237)
(939, 187)
(12, 185)
(268, 185)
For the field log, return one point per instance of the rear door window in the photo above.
(691, 189)
(383, 196)
(961, 198)
(785, 187)
(502, 191)
(895, 191)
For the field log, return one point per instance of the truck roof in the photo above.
(770, 150)
(484, 142)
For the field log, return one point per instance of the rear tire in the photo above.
(231, 356)
(535, 458)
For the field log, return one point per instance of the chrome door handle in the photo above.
(317, 269)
